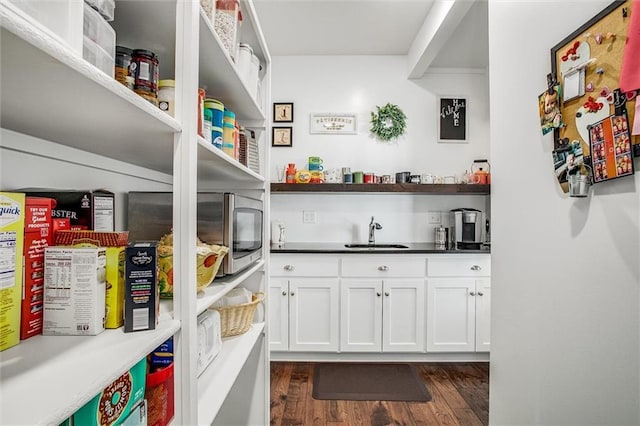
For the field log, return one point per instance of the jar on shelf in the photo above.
(244, 62)
(145, 69)
(123, 61)
(167, 96)
(227, 25)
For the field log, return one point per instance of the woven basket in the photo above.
(237, 319)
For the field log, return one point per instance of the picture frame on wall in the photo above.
(283, 112)
(453, 119)
(282, 136)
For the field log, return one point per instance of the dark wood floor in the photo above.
(459, 391)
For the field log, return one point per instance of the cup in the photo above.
(426, 178)
(369, 178)
(280, 173)
(402, 177)
(333, 176)
(316, 176)
(358, 177)
(315, 163)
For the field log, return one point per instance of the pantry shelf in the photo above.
(435, 189)
(120, 125)
(214, 164)
(217, 380)
(220, 78)
(222, 286)
(68, 371)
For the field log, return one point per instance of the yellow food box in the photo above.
(11, 246)
(115, 244)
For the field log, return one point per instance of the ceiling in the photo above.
(369, 27)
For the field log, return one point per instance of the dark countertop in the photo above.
(340, 248)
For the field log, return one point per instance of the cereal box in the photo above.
(141, 299)
(115, 402)
(115, 243)
(88, 210)
(38, 233)
(11, 247)
(74, 290)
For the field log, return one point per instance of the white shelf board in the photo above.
(219, 75)
(214, 164)
(45, 379)
(51, 93)
(222, 286)
(217, 380)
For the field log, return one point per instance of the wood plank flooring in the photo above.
(459, 391)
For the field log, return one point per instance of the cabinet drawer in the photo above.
(459, 265)
(383, 266)
(304, 266)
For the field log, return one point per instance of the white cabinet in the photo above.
(304, 303)
(458, 304)
(384, 310)
(96, 133)
(382, 315)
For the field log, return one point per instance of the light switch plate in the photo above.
(435, 217)
(308, 217)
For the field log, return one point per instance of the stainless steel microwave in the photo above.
(223, 218)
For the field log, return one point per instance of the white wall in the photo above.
(565, 346)
(357, 84)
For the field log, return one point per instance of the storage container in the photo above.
(96, 29)
(123, 60)
(227, 25)
(167, 96)
(159, 394)
(97, 56)
(244, 62)
(106, 8)
(237, 319)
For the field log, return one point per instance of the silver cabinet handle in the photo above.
(378, 294)
(475, 268)
(289, 268)
(480, 293)
(383, 268)
(471, 293)
(284, 293)
(386, 293)
(292, 293)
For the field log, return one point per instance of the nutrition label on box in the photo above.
(7, 259)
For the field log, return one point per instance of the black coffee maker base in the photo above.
(464, 245)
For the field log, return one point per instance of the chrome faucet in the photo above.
(372, 227)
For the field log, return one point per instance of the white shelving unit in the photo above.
(68, 117)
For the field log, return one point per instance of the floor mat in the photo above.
(368, 382)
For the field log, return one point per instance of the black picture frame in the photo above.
(453, 119)
(283, 112)
(281, 136)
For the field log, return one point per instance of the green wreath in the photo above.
(389, 122)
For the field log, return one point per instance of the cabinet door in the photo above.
(313, 314)
(278, 314)
(483, 315)
(361, 315)
(451, 314)
(403, 327)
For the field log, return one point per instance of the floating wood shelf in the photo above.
(436, 189)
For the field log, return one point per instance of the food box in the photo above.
(141, 299)
(115, 244)
(138, 415)
(74, 290)
(88, 210)
(11, 247)
(38, 234)
(116, 401)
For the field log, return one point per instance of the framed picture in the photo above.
(283, 112)
(281, 136)
(452, 119)
(345, 124)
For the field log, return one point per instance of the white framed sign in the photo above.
(323, 123)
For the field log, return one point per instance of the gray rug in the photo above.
(368, 382)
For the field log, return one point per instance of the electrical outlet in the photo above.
(435, 217)
(308, 217)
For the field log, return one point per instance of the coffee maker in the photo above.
(468, 229)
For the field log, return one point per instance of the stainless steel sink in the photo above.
(376, 246)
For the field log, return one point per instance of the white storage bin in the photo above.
(105, 7)
(96, 55)
(96, 29)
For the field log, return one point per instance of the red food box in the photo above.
(38, 234)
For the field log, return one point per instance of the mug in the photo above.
(333, 176)
(427, 178)
(369, 178)
(316, 176)
(315, 163)
(402, 177)
(358, 177)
